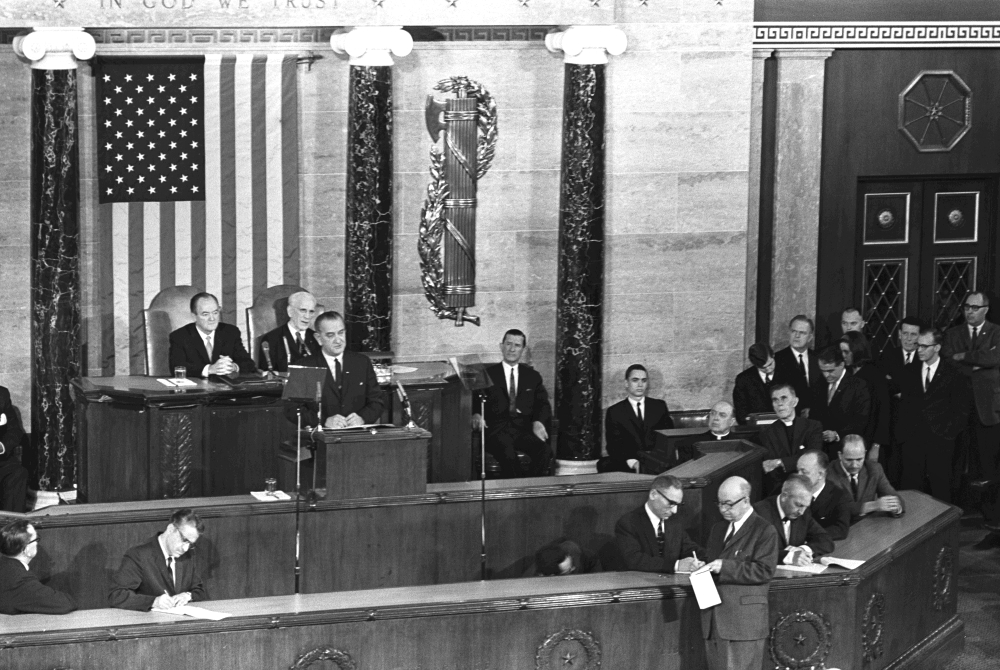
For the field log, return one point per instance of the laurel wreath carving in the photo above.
(339, 658)
(432, 219)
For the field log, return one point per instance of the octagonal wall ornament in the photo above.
(935, 111)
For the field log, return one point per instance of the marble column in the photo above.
(580, 288)
(369, 230)
(55, 253)
(798, 148)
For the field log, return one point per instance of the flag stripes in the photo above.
(241, 239)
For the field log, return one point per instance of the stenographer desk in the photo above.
(896, 611)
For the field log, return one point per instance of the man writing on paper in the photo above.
(21, 592)
(802, 539)
(651, 538)
(743, 552)
(208, 346)
(161, 573)
(350, 394)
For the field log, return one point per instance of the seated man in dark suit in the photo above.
(517, 412)
(13, 475)
(630, 425)
(802, 539)
(865, 482)
(651, 538)
(786, 438)
(831, 505)
(351, 395)
(161, 573)
(846, 405)
(21, 592)
(294, 340)
(721, 419)
(752, 390)
(208, 346)
(797, 364)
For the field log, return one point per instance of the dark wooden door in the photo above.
(923, 245)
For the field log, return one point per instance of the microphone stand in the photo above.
(482, 483)
(314, 447)
(298, 496)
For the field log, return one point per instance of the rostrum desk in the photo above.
(896, 611)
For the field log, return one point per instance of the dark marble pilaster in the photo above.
(580, 292)
(368, 263)
(55, 276)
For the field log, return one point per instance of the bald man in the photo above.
(831, 505)
(851, 320)
(802, 539)
(721, 419)
(864, 481)
(294, 340)
(743, 554)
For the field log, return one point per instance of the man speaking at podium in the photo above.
(208, 346)
(351, 395)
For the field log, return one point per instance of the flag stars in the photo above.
(141, 179)
(149, 77)
(107, 77)
(140, 157)
(138, 89)
(118, 157)
(171, 77)
(183, 88)
(150, 100)
(184, 177)
(108, 146)
(107, 101)
(118, 135)
(151, 122)
(118, 89)
(110, 190)
(119, 179)
(194, 77)
(173, 122)
(163, 157)
(194, 122)
(183, 156)
(131, 190)
(184, 133)
(194, 167)
(118, 112)
(194, 99)
(152, 168)
(173, 145)
(152, 189)
(162, 111)
(128, 123)
(107, 124)
(171, 100)
(183, 111)
(128, 101)
(129, 168)
(163, 178)
(162, 134)
(173, 189)
(107, 169)
(129, 146)
(128, 77)
(173, 167)
(161, 89)
(194, 189)
(152, 145)
(140, 111)
(194, 145)
(140, 134)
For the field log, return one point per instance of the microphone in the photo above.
(267, 355)
(404, 401)
(319, 404)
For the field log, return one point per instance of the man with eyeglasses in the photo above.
(21, 592)
(161, 573)
(743, 553)
(652, 537)
(208, 346)
(975, 347)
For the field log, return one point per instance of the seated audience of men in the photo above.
(802, 539)
(864, 480)
(161, 573)
(208, 346)
(517, 412)
(786, 438)
(831, 505)
(857, 353)
(13, 475)
(630, 425)
(21, 592)
(752, 390)
(845, 406)
(294, 340)
(350, 394)
(564, 558)
(797, 363)
(651, 538)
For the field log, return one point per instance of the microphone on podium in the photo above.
(267, 355)
(319, 404)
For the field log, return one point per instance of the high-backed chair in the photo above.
(169, 310)
(268, 311)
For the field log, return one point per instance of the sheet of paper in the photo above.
(704, 588)
(848, 563)
(812, 568)
(175, 382)
(195, 612)
(265, 496)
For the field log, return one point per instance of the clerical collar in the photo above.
(721, 437)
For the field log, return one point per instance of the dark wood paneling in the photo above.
(117, 470)
(241, 446)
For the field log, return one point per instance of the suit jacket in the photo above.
(877, 430)
(751, 395)
(187, 348)
(849, 410)
(357, 393)
(872, 485)
(942, 410)
(21, 592)
(786, 364)
(892, 363)
(636, 541)
(531, 403)
(626, 437)
(280, 343)
(11, 433)
(748, 563)
(806, 433)
(981, 364)
(143, 576)
(802, 531)
(832, 510)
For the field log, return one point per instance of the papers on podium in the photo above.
(704, 588)
(195, 612)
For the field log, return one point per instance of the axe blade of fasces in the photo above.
(435, 122)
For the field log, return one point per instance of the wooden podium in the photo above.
(371, 462)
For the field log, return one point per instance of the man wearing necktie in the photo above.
(797, 364)
(630, 425)
(743, 553)
(752, 389)
(846, 404)
(293, 341)
(208, 346)
(802, 539)
(516, 412)
(652, 538)
(975, 347)
(866, 482)
(351, 395)
(934, 410)
(893, 361)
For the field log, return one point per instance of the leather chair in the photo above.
(169, 310)
(268, 311)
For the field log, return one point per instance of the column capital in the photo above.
(587, 45)
(55, 48)
(372, 45)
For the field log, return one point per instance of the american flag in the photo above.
(231, 227)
